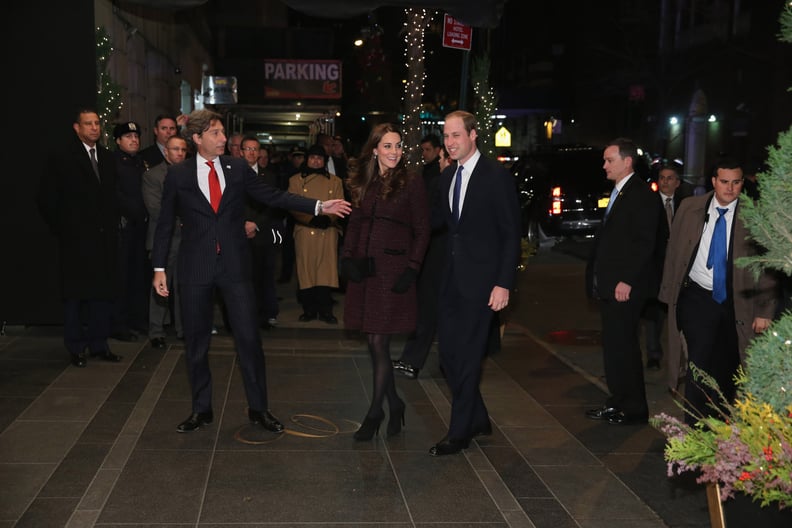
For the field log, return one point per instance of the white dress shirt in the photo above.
(203, 175)
(467, 170)
(699, 272)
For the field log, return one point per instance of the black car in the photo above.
(563, 192)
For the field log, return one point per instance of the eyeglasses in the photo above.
(250, 149)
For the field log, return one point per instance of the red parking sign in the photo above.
(456, 34)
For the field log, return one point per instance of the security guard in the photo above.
(131, 311)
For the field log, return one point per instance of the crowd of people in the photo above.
(160, 236)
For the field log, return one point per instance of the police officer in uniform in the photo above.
(131, 310)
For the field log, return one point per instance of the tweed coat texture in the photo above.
(395, 232)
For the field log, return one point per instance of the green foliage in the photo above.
(108, 93)
(786, 25)
(747, 449)
(769, 219)
(486, 102)
(769, 363)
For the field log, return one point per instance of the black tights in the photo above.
(382, 367)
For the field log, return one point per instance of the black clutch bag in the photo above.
(356, 269)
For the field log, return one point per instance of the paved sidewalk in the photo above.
(98, 446)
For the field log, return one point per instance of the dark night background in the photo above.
(601, 64)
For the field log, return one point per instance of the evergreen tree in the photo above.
(768, 369)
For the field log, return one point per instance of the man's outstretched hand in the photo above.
(338, 207)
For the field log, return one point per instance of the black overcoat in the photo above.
(82, 212)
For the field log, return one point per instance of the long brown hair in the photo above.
(365, 169)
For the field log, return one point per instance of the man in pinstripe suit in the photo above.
(208, 194)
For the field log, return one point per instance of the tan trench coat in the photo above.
(752, 298)
(316, 250)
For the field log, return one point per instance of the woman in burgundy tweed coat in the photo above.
(390, 224)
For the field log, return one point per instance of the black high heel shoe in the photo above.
(368, 428)
(396, 420)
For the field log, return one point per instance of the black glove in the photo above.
(349, 271)
(320, 222)
(404, 281)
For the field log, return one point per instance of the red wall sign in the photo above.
(456, 34)
(297, 79)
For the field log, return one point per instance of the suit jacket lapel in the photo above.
(619, 197)
(470, 192)
(197, 188)
(229, 176)
(445, 189)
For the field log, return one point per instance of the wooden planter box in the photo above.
(742, 512)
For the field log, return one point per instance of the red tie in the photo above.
(215, 193)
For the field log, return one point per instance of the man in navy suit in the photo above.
(208, 194)
(619, 274)
(483, 252)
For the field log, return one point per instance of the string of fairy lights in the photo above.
(108, 93)
(417, 21)
(487, 102)
(416, 24)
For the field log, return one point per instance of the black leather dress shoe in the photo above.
(159, 342)
(482, 430)
(328, 318)
(448, 447)
(265, 420)
(405, 369)
(602, 413)
(620, 418)
(304, 318)
(195, 422)
(106, 355)
(78, 360)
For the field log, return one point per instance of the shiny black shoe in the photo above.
(405, 369)
(78, 360)
(396, 419)
(448, 446)
(265, 420)
(602, 413)
(106, 355)
(368, 428)
(195, 422)
(620, 418)
(482, 430)
(159, 342)
(328, 318)
(305, 317)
